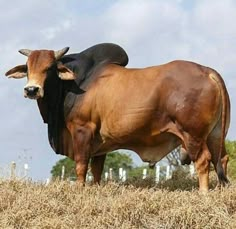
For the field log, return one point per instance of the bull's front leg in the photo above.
(97, 164)
(81, 145)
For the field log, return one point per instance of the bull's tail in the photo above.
(221, 85)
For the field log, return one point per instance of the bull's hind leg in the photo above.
(203, 167)
(221, 170)
(200, 155)
(97, 164)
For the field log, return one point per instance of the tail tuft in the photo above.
(223, 180)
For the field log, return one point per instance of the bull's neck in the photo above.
(59, 97)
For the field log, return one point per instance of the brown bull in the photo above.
(150, 111)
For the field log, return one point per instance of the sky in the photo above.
(152, 32)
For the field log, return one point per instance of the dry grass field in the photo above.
(173, 204)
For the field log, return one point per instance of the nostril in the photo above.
(31, 91)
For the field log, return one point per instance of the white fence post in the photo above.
(144, 173)
(26, 169)
(89, 178)
(120, 173)
(124, 176)
(106, 176)
(47, 181)
(191, 169)
(157, 174)
(13, 170)
(62, 172)
(110, 174)
(168, 172)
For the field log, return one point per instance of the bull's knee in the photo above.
(81, 170)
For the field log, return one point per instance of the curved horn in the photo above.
(25, 52)
(58, 54)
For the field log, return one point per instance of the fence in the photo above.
(161, 172)
(14, 171)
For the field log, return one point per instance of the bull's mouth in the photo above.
(35, 97)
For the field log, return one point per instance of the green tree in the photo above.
(114, 160)
(231, 150)
(69, 164)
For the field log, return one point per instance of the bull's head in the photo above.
(36, 69)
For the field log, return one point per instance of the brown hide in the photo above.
(152, 111)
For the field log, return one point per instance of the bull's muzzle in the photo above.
(33, 92)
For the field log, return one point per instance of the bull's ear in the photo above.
(65, 73)
(17, 72)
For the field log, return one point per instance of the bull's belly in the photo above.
(149, 148)
(157, 147)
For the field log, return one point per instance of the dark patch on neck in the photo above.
(55, 109)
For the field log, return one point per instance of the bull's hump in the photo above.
(87, 63)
